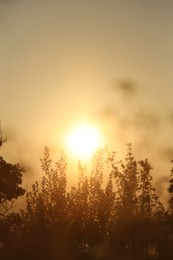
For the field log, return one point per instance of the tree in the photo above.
(148, 199)
(10, 181)
(126, 176)
(138, 210)
(10, 190)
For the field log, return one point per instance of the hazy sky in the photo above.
(61, 60)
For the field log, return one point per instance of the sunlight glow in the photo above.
(83, 141)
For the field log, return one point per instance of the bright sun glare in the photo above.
(84, 140)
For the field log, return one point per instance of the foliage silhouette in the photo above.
(10, 190)
(10, 181)
(117, 216)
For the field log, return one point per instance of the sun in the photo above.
(83, 140)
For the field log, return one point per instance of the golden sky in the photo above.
(109, 61)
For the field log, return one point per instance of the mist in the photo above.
(110, 63)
